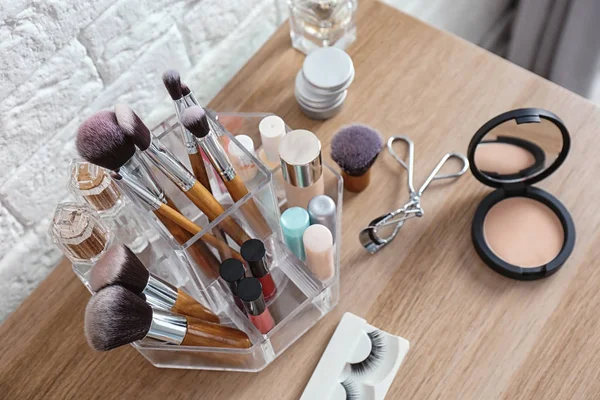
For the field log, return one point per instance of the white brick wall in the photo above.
(63, 60)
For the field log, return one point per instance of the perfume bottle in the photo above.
(94, 186)
(322, 23)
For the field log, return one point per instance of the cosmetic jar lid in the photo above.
(328, 68)
(232, 271)
(272, 129)
(300, 155)
(251, 293)
(321, 210)
(511, 152)
(254, 252)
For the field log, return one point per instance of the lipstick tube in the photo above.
(254, 252)
(250, 292)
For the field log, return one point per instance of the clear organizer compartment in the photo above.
(301, 299)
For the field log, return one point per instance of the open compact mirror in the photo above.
(521, 231)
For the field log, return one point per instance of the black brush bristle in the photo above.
(119, 266)
(172, 82)
(355, 148)
(194, 120)
(115, 317)
(101, 141)
(375, 356)
(133, 126)
(185, 89)
(352, 392)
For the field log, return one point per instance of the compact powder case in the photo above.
(521, 231)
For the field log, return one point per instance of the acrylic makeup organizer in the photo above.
(301, 300)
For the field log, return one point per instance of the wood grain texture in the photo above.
(206, 334)
(474, 334)
(186, 305)
(199, 169)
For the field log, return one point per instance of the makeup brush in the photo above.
(181, 101)
(172, 82)
(131, 125)
(185, 90)
(120, 266)
(195, 120)
(355, 148)
(114, 317)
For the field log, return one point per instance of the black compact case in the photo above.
(544, 135)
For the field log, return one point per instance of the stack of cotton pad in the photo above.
(322, 83)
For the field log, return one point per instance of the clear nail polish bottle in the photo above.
(322, 23)
(94, 186)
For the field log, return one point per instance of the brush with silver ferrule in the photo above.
(196, 121)
(164, 160)
(120, 266)
(175, 88)
(115, 316)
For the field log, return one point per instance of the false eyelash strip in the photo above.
(375, 356)
(352, 392)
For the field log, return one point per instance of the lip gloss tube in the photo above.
(253, 251)
(232, 272)
(250, 292)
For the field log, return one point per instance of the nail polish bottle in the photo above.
(318, 245)
(94, 186)
(322, 210)
(302, 167)
(272, 129)
(232, 272)
(250, 292)
(254, 252)
(294, 222)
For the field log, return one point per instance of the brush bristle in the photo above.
(115, 317)
(355, 148)
(101, 141)
(119, 266)
(194, 119)
(132, 125)
(185, 89)
(172, 82)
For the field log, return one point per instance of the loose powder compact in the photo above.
(521, 231)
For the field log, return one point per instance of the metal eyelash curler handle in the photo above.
(369, 237)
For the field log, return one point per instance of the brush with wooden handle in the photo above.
(169, 215)
(120, 266)
(168, 164)
(116, 316)
(194, 119)
(172, 82)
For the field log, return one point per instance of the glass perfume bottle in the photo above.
(322, 23)
(94, 186)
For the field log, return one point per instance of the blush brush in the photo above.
(196, 121)
(132, 126)
(115, 316)
(172, 82)
(355, 148)
(120, 266)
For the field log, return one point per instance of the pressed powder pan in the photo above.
(521, 231)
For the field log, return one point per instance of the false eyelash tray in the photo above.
(359, 363)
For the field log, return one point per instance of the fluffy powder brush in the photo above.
(355, 148)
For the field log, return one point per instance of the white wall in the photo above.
(63, 60)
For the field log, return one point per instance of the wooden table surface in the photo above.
(474, 334)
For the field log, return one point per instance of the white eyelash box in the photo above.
(359, 363)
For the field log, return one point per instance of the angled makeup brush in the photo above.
(185, 89)
(114, 317)
(120, 266)
(195, 120)
(167, 163)
(174, 86)
(355, 148)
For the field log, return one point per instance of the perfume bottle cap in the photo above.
(254, 252)
(94, 185)
(251, 293)
(232, 272)
(272, 129)
(300, 155)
